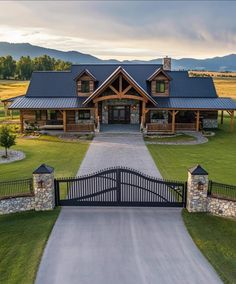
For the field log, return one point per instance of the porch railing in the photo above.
(185, 126)
(83, 127)
(167, 127)
(155, 127)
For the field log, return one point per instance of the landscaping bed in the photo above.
(169, 138)
(22, 240)
(216, 238)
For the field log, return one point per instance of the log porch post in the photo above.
(21, 122)
(232, 120)
(173, 121)
(64, 121)
(222, 117)
(198, 120)
(96, 113)
(144, 113)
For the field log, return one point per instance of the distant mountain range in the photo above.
(16, 50)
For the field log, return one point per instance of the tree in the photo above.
(62, 65)
(44, 63)
(7, 67)
(24, 68)
(7, 139)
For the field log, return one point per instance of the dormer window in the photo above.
(85, 87)
(160, 87)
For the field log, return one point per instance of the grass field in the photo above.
(22, 240)
(218, 157)
(216, 238)
(12, 88)
(65, 157)
(226, 87)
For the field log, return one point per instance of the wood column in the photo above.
(21, 121)
(222, 117)
(173, 121)
(198, 121)
(96, 113)
(144, 113)
(232, 120)
(64, 121)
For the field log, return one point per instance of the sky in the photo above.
(124, 29)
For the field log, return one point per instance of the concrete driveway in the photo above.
(111, 150)
(122, 246)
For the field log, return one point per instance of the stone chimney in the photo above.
(166, 63)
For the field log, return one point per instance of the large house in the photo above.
(149, 95)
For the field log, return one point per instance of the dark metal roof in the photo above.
(44, 169)
(196, 103)
(47, 103)
(198, 170)
(62, 84)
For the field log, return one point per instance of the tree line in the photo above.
(23, 68)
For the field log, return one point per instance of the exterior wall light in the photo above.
(40, 184)
(200, 185)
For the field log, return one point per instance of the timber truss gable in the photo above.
(119, 85)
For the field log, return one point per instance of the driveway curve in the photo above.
(122, 245)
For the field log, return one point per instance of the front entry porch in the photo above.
(120, 128)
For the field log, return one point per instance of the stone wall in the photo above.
(221, 207)
(209, 123)
(17, 204)
(198, 199)
(42, 198)
(197, 190)
(134, 112)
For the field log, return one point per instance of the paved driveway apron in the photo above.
(111, 150)
(122, 246)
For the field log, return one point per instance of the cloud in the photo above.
(123, 29)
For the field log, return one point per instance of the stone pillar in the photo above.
(197, 189)
(43, 181)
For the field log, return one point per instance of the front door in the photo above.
(119, 114)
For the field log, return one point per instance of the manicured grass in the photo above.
(218, 157)
(216, 238)
(65, 157)
(178, 138)
(22, 240)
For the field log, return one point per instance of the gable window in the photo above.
(38, 115)
(84, 114)
(160, 86)
(85, 86)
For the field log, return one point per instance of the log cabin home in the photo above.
(149, 95)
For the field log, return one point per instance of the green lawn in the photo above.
(216, 238)
(22, 240)
(65, 157)
(218, 157)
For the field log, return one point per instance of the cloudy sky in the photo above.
(123, 29)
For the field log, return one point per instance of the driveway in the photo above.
(111, 150)
(122, 246)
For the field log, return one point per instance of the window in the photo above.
(84, 114)
(160, 87)
(51, 115)
(38, 115)
(157, 115)
(85, 86)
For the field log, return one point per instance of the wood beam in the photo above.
(114, 90)
(111, 97)
(21, 122)
(96, 112)
(198, 121)
(120, 84)
(126, 89)
(64, 121)
(173, 121)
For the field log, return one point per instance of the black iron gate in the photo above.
(119, 187)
